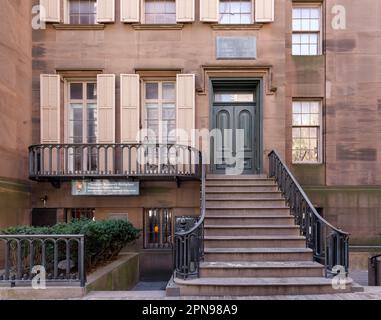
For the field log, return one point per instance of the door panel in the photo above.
(245, 121)
(223, 143)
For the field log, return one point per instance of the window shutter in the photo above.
(209, 10)
(50, 108)
(264, 10)
(130, 107)
(105, 11)
(106, 108)
(185, 106)
(130, 10)
(50, 10)
(185, 10)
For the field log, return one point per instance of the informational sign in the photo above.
(236, 47)
(105, 188)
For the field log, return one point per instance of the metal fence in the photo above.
(59, 259)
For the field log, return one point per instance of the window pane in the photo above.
(296, 50)
(304, 50)
(305, 107)
(297, 119)
(169, 91)
(76, 91)
(91, 91)
(313, 50)
(234, 97)
(314, 25)
(305, 13)
(74, 6)
(315, 107)
(152, 112)
(315, 13)
(246, 18)
(296, 13)
(169, 112)
(297, 25)
(152, 91)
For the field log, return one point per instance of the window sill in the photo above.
(142, 26)
(316, 164)
(63, 26)
(254, 26)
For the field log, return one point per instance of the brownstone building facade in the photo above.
(304, 75)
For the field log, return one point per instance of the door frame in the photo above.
(257, 84)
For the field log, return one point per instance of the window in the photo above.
(160, 111)
(82, 11)
(82, 123)
(160, 11)
(234, 97)
(306, 25)
(157, 228)
(306, 131)
(235, 12)
(79, 213)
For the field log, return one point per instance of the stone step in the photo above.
(259, 210)
(261, 269)
(257, 254)
(251, 230)
(254, 242)
(257, 286)
(244, 203)
(237, 177)
(246, 183)
(248, 219)
(228, 195)
(235, 188)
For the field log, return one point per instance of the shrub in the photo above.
(103, 239)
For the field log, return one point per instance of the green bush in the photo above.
(103, 239)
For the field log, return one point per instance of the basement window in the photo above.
(158, 228)
(79, 213)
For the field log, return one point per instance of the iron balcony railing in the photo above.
(330, 245)
(57, 259)
(73, 161)
(189, 240)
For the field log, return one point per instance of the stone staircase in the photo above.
(252, 246)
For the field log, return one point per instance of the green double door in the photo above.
(236, 142)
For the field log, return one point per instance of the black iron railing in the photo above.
(189, 240)
(374, 271)
(71, 161)
(59, 259)
(330, 245)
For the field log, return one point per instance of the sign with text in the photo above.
(105, 188)
(236, 47)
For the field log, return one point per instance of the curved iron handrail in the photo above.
(189, 244)
(330, 245)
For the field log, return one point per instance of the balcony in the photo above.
(66, 162)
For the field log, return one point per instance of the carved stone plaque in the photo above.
(236, 47)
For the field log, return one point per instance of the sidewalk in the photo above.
(370, 293)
